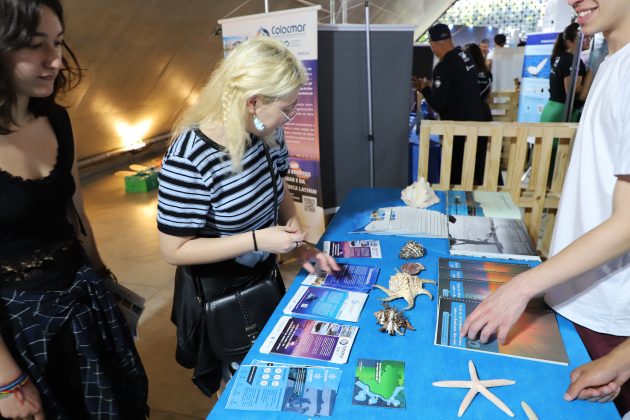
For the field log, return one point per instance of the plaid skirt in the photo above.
(76, 346)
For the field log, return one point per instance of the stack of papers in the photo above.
(463, 284)
(406, 221)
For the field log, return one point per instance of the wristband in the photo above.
(255, 243)
(14, 387)
(14, 383)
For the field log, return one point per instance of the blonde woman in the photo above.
(216, 202)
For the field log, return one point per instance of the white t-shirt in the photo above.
(599, 299)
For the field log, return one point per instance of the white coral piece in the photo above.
(419, 194)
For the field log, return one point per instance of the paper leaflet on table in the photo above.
(326, 302)
(479, 288)
(403, 221)
(482, 203)
(380, 383)
(478, 279)
(490, 237)
(353, 277)
(353, 249)
(258, 362)
(311, 339)
(311, 390)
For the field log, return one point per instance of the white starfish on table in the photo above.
(528, 411)
(477, 386)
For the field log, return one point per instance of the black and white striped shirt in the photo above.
(200, 196)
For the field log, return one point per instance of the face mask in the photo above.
(258, 124)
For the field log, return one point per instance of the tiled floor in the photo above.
(125, 230)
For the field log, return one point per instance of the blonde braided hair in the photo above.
(260, 67)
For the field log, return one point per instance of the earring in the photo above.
(258, 124)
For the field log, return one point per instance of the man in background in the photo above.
(499, 42)
(454, 94)
(484, 46)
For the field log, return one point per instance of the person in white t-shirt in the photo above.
(587, 277)
(499, 42)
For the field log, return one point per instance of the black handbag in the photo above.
(236, 300)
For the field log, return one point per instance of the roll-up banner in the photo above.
(297, 28)
(535, 81)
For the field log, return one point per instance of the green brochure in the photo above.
(380, 383)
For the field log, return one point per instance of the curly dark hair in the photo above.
(18, 24)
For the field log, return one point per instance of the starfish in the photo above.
(403, 285)
(476, 386)
(528, 411)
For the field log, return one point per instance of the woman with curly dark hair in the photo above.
(65, 348)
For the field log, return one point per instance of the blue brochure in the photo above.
(311, 391)
(327, 303)
(357, 278)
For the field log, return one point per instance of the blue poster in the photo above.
(535, 77)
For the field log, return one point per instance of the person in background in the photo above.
(484, 46)
(587, 276)
(66, 351)
(484, 75)
(455, 95)
(499, 42)
(217, 196)
(560, 77)
(564, 48)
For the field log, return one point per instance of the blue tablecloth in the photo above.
(540, 385)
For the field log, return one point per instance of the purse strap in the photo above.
(252, 329)
(274, 183)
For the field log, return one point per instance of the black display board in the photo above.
(343, 107)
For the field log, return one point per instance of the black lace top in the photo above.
(33, 213)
